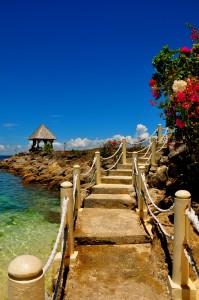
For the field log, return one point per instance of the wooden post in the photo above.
(159, 132)
(26, 279)
(153, 151)
(124, 151)
(134, 156)
(180, 285)
(66, 190)
(98, 168)
(141, 210)
(76, 171)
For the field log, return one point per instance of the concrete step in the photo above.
(124, 166)
(112, 189)
(99, 226)
(109, 201)
(115, 272)
(117, 179)
(120, 173)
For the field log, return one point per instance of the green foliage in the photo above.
(175, 89)
(48, 148)
(109, 148)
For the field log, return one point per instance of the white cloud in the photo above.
(83, 143)
(141, 133)
(10, 125)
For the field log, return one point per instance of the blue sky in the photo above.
(82, 67)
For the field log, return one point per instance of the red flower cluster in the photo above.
(152, 82)
(186, 103)
(185, 50)
(194, 34)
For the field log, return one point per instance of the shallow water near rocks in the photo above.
(28, 224)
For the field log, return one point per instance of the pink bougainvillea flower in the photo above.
(179, 123)
(191, 115)
(186, 50)
(152, 82)
(180, 96)
(197, 109)
(155, 94)
(194, 98)
(152, 102)
(186, 105)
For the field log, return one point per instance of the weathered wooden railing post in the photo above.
(66, 190)
(26, 279)
(76, 172)
(124, 151)
(98, 168)
(153, 151)
(180, 285)
(134, 161)
(141, 210)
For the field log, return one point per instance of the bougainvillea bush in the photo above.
(175, 89)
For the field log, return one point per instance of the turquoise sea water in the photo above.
(27, 224)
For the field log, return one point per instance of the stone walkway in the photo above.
(113, 248)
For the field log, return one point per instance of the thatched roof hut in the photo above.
(41, 134)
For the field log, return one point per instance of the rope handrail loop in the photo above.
(106, 158)
(162, 147)
(115, 162)
(165, 135)
(61, 229)
(149, 147)
(156, 219)
(190, 258)
(93, 164)
(75, 177)
(149, 159)
(151, 200)
(135, 165)
(90, 184)
(144, 140)
(193, 218)
(63, 250)
(143, 149)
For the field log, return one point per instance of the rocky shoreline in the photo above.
(48, 169)
(175, 170)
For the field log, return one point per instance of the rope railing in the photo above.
(107, 158)
(141, 150)
(151, 200)
(156, 219)
(60, 271)
(91, 183)
(59, 235)
(189, 255)
(143, 140)
(91, 168)
(182, 253)
(193, 218)
(115, 163)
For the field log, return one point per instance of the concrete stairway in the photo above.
(113, 248)
(108, 216)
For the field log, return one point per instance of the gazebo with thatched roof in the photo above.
(41, 134)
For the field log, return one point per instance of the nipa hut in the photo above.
(41, 134)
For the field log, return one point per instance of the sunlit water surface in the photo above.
(29, 224)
